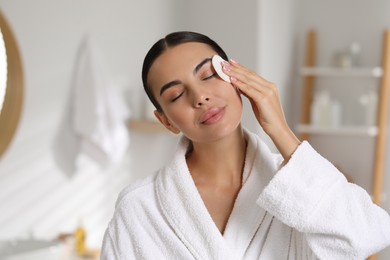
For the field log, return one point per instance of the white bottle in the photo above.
(354, 51)
(335, 115)
(321, 109)
(371, 109)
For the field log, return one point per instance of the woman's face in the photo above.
(193, 98)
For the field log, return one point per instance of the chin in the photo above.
(220, 132)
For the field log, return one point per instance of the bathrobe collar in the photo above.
(188, 216)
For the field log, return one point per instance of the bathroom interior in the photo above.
(54, 189)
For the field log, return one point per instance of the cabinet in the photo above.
(311, 73)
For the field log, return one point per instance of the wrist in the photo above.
(286, 142)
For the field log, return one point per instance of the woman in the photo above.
(225, 195)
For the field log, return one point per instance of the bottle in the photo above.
(335, 115)
(354, 51)
(321, 109)
(79, 240)
(371, 108)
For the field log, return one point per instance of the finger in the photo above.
(234, 64)
(248, 91)
(247, 77)
(255, 90)
(239, 72)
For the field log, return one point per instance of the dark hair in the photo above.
(172, 40)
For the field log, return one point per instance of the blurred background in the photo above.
(65, 44)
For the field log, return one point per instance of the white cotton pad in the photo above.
(216, 61)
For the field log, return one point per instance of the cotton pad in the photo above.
(216, 61)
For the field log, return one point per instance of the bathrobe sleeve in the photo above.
(109, 250)
(338, 219)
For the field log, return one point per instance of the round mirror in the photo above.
(11, 85)
(3, 70)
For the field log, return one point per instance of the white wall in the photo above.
(276, 21)
(275, 37)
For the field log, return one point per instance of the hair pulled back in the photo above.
(169, 41)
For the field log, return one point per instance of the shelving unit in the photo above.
(310, 72)
(145, 126)
(375, 72)
(370, 131)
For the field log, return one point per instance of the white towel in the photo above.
(94, 123)
(305, 210)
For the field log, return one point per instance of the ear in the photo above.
(165, 122)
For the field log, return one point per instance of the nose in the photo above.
(200, 100)
(203, 101)
(200, 96)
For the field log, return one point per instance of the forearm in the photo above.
(286, 142)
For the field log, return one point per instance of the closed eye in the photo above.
(177, 97)
(209, 77)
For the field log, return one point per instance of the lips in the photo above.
(212, 115)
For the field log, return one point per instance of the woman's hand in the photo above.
(264, 98)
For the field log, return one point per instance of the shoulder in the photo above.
(134, 204)
(138, 191)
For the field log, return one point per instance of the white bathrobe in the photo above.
(303, 210)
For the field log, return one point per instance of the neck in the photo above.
(219, 163)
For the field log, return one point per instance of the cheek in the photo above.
(238, 94)
(178, 117)
(231, 93)
(235, 101)
(237, 107)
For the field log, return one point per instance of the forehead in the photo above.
(177, 60)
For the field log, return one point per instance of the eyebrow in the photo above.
(177, 82)
(200, 65)
(168, 85)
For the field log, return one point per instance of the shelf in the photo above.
(375, 72)
(146, 126)
(310, 71)
(370, 131)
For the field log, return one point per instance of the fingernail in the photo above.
(233, 79)
(233, 61)
(226, 64)
(226, 67)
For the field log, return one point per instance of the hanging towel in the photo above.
(94, 123)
